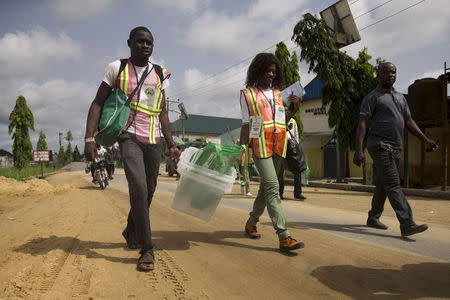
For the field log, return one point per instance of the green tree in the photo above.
(76, 154)
(69, 151)
(346, 80)
(290, 68)
(22, 120)
(42, 142)
(61, 157)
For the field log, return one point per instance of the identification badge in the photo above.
(280, 114)
(255, 127)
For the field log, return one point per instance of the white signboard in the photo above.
(41, 156)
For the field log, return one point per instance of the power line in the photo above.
(353, 2)
(178, 93)
(376, 7)
(214, 83)
(228, 68)
(400, 11)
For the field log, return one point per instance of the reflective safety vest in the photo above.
(273, 134)
(148, 101)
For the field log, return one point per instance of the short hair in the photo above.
(383, 65)
(259, 65)
(136, 29)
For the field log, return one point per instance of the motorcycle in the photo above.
(100, 173)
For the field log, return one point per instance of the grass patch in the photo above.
(21, 174)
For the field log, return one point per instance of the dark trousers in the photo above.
(387, 183)
(297, 182)
(141, 164)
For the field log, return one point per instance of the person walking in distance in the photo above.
(139, 142)
(383, 115)
(262, 104)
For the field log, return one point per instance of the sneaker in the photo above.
(300, 197)
(374, 223)
(251, 231)
(289, 243)
(249, 194)
(413, 229)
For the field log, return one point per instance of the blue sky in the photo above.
(54, 51)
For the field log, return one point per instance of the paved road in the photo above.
(434, 243)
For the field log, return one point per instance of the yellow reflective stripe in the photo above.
(268, 125)
(145, 108)
(254, 101)
(285, 146)
(158, 97)
(151, 134)
(124, 80)
(262, 139)
(280, 124)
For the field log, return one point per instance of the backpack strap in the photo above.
(159, 71)
(123, 64)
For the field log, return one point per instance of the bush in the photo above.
(24, 173)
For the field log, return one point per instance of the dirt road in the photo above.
(63, 241)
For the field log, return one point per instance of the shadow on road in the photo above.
(411, 282)
(168, 240)
(41, 246)
(350, 228)
(176, 240)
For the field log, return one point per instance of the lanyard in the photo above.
(141, 82)
(272, 105)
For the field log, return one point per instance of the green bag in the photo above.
(116, 110)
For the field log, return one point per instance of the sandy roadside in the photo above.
(63, 244)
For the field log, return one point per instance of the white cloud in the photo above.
(58, 106)
(416, 28)
(263, 24)
(25, 54)
(80, 9)
(185, 6)
(206, 94)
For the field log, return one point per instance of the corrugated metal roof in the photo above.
(205, 124)
(313, 89)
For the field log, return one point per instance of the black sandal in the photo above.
(146, 262)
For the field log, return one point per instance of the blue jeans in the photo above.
(387, 183)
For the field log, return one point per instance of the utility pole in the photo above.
(60, 136)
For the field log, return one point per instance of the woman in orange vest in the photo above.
(264, 117)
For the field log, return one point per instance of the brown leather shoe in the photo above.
(289, 243)
(251, 231)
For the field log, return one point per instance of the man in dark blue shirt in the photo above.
(383, 115)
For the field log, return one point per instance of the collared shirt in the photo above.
(387, 111)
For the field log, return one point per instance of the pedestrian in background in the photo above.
(383, 115)
(244, 170)
(292, 133)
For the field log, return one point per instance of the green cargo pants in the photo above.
(268, 194)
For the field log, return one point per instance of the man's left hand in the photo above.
(174, 154)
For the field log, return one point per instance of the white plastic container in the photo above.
(200, 189)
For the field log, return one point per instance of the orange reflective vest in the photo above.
(273, 134)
